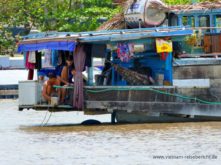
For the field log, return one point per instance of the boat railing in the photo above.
(204, 42)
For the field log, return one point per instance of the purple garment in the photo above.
(125, 51)
(79, 62)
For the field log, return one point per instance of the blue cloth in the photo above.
(54, 57)
(40, 73)
(45, 72)
(52, 45)
(58, 70)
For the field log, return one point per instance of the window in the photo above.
(185, 20)
(188, 21)
(173, 20)
(204, 22)
(218, 23)
(191, 21)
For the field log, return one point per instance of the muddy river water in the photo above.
(23, 140)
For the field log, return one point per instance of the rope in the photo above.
(44, 119)
(44, 124)
(48, 119)
(157, 91)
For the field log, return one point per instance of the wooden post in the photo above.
(180, 22)
(90, 73)
(196, 20)
(211, 22)
(90, 68)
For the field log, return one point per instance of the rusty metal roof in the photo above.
(196, 6)
(118, 22)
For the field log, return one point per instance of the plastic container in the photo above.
(54, 101)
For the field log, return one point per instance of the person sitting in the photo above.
(66, 77)
(67, 72)
(48, 87)
(59, 67)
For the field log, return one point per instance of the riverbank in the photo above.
(9, 82)
(7, 62)
(9, 77)
(9, 91)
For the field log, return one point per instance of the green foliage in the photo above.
(7, 42)
(52, 15)
(58, 15)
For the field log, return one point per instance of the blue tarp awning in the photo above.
(52, 45)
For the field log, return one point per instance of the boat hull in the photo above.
(125, 117)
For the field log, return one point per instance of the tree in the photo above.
(52, 15)
(59, 15)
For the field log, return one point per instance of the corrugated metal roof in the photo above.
(110, 36)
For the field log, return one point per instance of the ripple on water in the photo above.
(24, 141)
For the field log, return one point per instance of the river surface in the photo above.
(24, 141)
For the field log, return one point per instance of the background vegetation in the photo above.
(19, 16)
(60, 15)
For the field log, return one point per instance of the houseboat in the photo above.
(168, 73)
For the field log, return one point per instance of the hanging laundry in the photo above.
(32, 57)
(55, 61)
(164, 45)
(28, 65)
(24, 56)
(125, 51)
(30, 74)
(47, 59)
(163, 56)
(88, 51)
(61, 58)
(131, 49)
(38, 64)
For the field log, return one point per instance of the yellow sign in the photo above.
(164, 46)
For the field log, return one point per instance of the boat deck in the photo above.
(158, 100)
(45, 107)
(62, 108)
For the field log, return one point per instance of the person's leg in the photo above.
(63, 93)
(64, 76)
(46, 92)
(48, 88)
(56, 92)
(64, 73)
